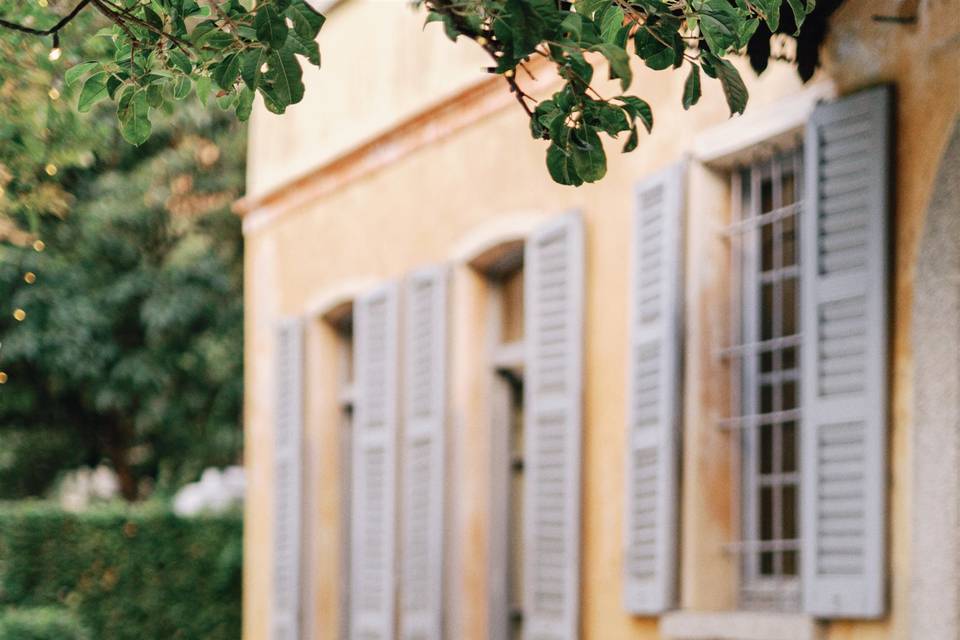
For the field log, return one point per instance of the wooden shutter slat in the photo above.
(287, 479)
(844, 244)
(423, 458)
(653, 395)
(374, 489)
(553, 309)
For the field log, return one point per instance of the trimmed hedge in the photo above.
(126, 573)
(40, 623)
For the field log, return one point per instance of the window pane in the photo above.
(788, 241)
(766, 563)
(766, 449)
(789, 506)
(766, 513)
(766, 362)
(788, 358)
(766, 195)
(789, 563)
(787, 188)
(789, 311)
(766, 248)
(789, 437)
(766, 398)
(788, 395)
(766, 312)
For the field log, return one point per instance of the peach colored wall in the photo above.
(418, 209)
(379, 66)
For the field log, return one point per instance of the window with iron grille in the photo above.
(767, 204)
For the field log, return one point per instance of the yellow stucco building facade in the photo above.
(792, 470)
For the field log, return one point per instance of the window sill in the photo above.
(738, 625)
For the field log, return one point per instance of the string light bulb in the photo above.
(51, 169)
(39, 245)
(29, 277)
(54, 93)
(3, 377)
(55, 52)
(19, 315)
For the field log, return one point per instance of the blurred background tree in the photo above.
(130, 350)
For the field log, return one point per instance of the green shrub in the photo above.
(126, 573)
(40, 623)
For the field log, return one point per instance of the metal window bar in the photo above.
(764, 365)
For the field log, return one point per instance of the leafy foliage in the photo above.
(131, 347)
(159, 51)
(156, 52)
(46, 146)
(124, 573)
(575, 36)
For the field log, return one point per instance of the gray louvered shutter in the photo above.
(288, 408)
(845, 326)
(424, 406)
(376, 431)
(553, 280)
(653, 395)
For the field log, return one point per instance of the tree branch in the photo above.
(52, 30)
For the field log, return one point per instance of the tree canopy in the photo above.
(154, 53)
(128, 343)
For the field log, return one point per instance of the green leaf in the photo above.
(589, 159)
(244, 104)
(770, 12)
(309, 49)
(800, 9)
(271, 27)
(632, 141)
(225, 73)
(719, 30)
(691, 88)
(432, 16)
(589, 7)
(654, 53)
(638, 108)
(573, 25)
(746, 29)
(733, 88)
(73, 73)
(251, 62)
(284, 84)
(134, 115)
(179, 60)
(306, 21)
(181, 88)
(154, 95)
(93, 91)
(619, 63)
(606, 117)
(560, 166)
(203, 89)
(581, 69)
(610, 23)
